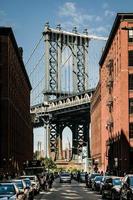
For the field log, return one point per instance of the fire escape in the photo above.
(109, 103)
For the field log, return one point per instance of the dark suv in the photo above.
(91, 178)
(127, 188)
(111, 187)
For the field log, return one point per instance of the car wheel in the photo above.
(113, 196)
(129, 197)
(103, 195)
(121, 198)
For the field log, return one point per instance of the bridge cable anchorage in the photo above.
(36, 65)
(34, 49)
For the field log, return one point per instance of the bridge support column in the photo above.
(52, 141)
(59, 143)
(75, 141)
(87, 137)
(80, 138)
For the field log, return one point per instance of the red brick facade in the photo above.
(115, 142)
(16, 134)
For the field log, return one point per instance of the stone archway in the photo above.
(67, 143)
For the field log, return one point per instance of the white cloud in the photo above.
(71, 16)
(68, 9)
(109, 13)
(75, 17)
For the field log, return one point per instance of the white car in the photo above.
(22, 187)
(34, 181)
(10, 191)
(65, 178)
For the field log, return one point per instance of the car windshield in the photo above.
(7, 189)
(19, 184)
(131, 181)
(65, 174)
(116, 181)
(27, 181)
(32, 178)
(93, 175)
(82, 174)
(98, 178)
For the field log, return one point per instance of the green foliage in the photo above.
(35, 155)
(48, 163)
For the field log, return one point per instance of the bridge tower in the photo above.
(71, 110)
(55, 41)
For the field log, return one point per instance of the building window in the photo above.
(130, 81)
(131, 106)
(130, 130)
(130, 58)
(130, 36)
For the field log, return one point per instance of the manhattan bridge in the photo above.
(61, 93)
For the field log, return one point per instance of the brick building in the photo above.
(115, 100)
(16, 133)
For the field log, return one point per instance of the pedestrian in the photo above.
(86, 179)
(47, 182)
(78, 176)
(50, 181)
(42, 182)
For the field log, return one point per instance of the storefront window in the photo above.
(130, 36)
(130, 130)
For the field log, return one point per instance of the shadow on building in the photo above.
(119, 155)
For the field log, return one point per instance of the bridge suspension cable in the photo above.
(66, 61)
(34, 49)
(36, 65)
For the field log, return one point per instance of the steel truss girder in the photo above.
(53, 136)
(80, 69)
(80, 137)
(53, 67)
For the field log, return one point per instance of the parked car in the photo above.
(22, 187)
(102, 183)
(126, 191)
(29, 188)
(65, 177)
(34, 181)
(82, 178)
(10, 191)
(91, 177)
(111, 187)
(96, 183)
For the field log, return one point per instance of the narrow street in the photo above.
(63, 191)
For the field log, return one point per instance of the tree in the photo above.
(49, 163)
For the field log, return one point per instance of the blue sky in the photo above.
(28, 17)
